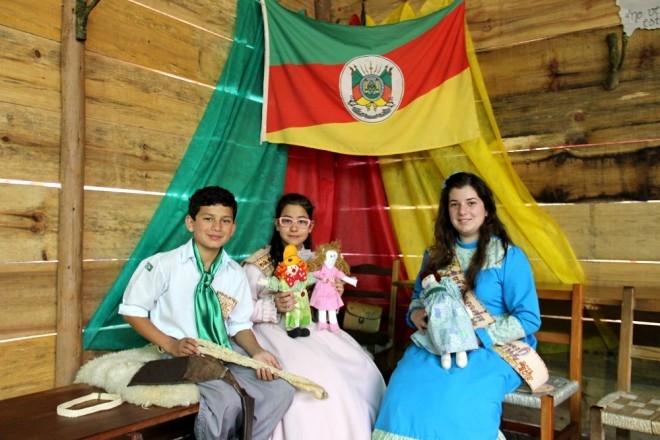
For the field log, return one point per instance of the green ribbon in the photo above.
(208, 313)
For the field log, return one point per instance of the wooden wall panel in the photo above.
(131, 33)
(622, 273)
(115, 222)
(127, 94)
(626, 171)
(30, 67)
(579, 114)
(214, 16)
(29, 143)
(27, 366)
(495, 24)
(28, 223)
(41, 19)
(27, 300)
(98, 277)
(564, 62)
(610, 231)
(131, 156)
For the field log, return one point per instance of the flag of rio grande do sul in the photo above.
(369, 91)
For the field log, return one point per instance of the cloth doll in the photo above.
(292, 275)
(449, 322)
(327, 267)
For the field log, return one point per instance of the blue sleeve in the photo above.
(522, 316)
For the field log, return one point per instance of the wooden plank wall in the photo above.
(151, 66)
(590, 155)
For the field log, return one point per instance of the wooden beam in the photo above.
(322, 10)
(68, 353)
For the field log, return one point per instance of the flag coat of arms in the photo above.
(370, 91)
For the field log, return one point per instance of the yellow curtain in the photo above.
(413, 183)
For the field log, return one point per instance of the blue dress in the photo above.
(425, 401)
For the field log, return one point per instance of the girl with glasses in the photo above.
(332, 359)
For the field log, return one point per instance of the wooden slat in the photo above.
(568, 61)
(27, 290)
(30, 67)
(28, 223)
(618, 274)
(24, 15)
(645, 352)
(98, 277)
(27, 366)
(586, 115)
(504, 22)
(116, 156)
(215, 16)
(586, 226)
(30, 136)
(609, 172)
(112, 230)
(131, 157)
(158, 41)
(131, 95)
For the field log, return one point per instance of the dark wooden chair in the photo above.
(625, 409)
(565, 388)
(382, 340)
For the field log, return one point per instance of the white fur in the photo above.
(114, 371)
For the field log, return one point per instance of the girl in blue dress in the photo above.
(423, 400)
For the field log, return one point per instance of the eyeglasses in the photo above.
(287, 222)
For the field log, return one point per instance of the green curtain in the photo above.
(225, 151)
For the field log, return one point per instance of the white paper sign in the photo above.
(639, 14)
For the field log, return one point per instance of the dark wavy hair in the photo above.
(276, 244)
(210, 196)
(442, 253)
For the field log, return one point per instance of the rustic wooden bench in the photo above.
(34, 416)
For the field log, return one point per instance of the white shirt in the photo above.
(162, 288)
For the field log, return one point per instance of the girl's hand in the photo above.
(285, 301)
(418, 317)
(265, 373)
(339, 285)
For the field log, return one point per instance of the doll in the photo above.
(449, 322)
(292, 275)
(327, 267)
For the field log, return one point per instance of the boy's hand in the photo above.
(182, 347)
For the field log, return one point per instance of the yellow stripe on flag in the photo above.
(452, 102)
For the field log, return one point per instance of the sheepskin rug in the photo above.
(113, 372)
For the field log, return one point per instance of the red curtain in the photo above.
(351, 206)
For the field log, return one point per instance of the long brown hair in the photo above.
(442, 253)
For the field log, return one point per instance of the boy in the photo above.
(172, 299)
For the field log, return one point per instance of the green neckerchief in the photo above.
(208, 314)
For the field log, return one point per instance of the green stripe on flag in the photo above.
(330, 43)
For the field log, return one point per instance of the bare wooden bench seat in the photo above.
(34, 416)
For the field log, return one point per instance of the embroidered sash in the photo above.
(519, 354)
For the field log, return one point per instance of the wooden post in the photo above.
(322, 10)
(68, 351)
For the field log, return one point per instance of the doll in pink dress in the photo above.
(328, 266)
